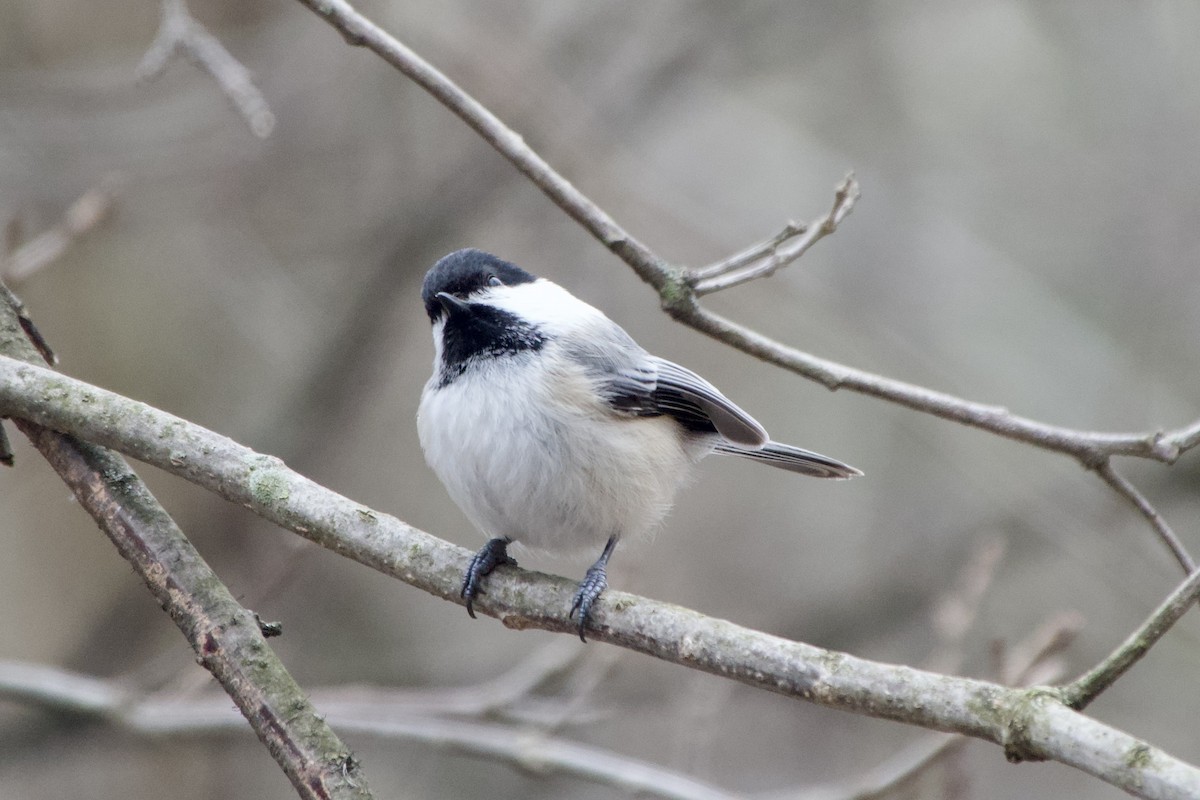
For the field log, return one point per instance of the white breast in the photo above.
(560, 480)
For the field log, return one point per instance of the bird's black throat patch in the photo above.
(482, 333)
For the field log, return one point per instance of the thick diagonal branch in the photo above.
(1030, 724)
(225, 636)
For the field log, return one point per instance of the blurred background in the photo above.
(1026, 237)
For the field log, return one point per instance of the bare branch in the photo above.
(411, 715)
(883, 779)
(1089, 447)
(736, 271)
(754, 252)
(1031, 724)
(1026, 662)
(14, 339)
(498, 694)
(1086, 688)
(544, 755)
(152, 715)
(179, 31)
(224, 635)
(60, 689)
(579, 689)
(176, 712)
(1034, 655)
(1130, 492)
(92, 208)
(955, 612)
(679, 290)
(360, 31)
(679, 299)
(1187, 438)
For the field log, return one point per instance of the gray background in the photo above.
(1027, 237)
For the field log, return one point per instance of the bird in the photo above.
(550, 426)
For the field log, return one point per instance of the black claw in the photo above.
(595, 581)
(491, 555)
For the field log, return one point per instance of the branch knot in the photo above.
(1018, 717)
(677, 295)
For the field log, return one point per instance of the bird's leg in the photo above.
(595, 581)
(491, 555)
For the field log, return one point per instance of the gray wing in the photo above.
(636, 383)
(698, 405)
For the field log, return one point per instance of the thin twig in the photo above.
(1086, 688)
(92, 208)
(883, 779)
(175, 712)
(579, 689)
(545, 755)
(179, 31)
(952, 617)
(1089, 447)
(359, 31)
(751, 254)
(1129, 492)
(1189, 437)
(175, 715)
(410, 714)
(487, 698)
(680, 301)
(955, 612)
(1035, 655)
(733, 273)
(1026, 660)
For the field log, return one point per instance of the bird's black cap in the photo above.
(464, 272)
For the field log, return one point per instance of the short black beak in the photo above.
(452, 304)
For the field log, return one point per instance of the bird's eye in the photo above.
(494, 281)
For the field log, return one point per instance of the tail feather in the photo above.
(793, 459)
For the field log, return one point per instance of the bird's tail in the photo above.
(793, 459)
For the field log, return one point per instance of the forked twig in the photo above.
(764, 260)
(179, 31)
(1087, 687)
(91, 209)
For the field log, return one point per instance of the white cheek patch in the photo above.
(546, 305)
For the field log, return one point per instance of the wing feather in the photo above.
(686, 396)
(793, 459)
(633, 382)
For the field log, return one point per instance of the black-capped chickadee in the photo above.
(550, 426)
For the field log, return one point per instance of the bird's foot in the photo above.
(491, 555)
(595, 581)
